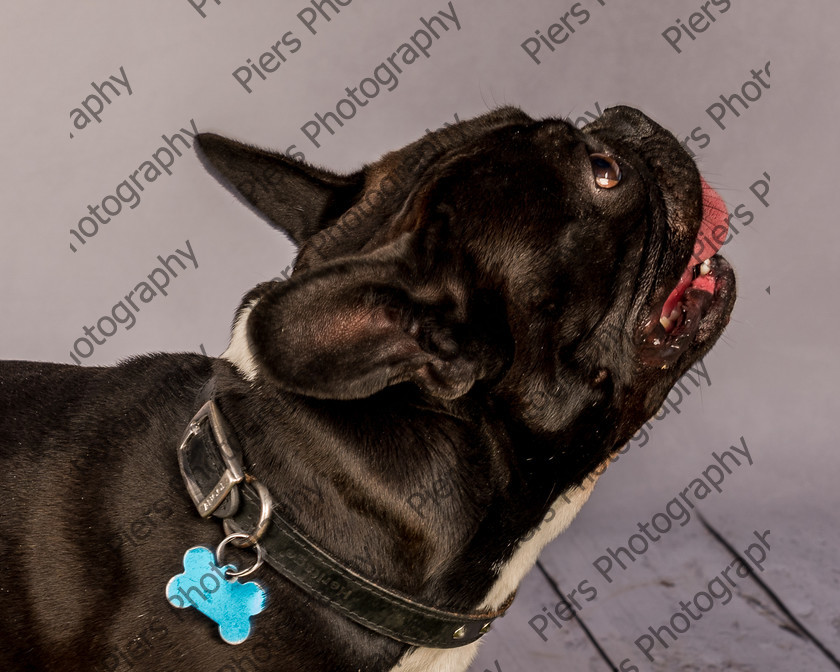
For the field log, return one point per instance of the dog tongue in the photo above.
(714, 228)
(715, 216)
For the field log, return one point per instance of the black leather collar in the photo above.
(211, 465)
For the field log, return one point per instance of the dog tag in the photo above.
(206, 587)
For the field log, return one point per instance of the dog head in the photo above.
(519, 264)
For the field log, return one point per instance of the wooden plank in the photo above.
(676, 608)
(802, 569)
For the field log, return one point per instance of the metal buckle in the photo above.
(233, 473)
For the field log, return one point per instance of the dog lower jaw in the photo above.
(511, 573)
(239, 351)
(704, 303)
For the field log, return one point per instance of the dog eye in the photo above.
(605, 170)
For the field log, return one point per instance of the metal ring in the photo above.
(244, 572)
(263, 522)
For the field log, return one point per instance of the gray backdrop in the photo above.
(75, 151)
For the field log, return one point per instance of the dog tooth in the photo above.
(665, 322)
(705, 269)
(675, 314)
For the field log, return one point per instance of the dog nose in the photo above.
(626, 120)
(630, 132)
(647, 137)
(628, 126)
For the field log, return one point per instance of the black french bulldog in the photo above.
(475, 324)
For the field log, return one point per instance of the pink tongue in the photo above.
(714, 228)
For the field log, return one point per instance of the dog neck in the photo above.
(447, 483)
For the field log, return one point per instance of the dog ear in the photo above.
(297, 198)
(349, 328)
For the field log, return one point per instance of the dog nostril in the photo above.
(605, 170)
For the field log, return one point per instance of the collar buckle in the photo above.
(211, 482)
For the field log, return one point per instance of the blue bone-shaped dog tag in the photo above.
(205, 586)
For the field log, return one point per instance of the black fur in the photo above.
(464, 318)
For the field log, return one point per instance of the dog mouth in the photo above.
(697, 309)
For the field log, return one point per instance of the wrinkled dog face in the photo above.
(524, 265)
